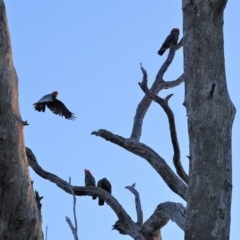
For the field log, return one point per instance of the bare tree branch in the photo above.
(169, 60)
(46, 232)
(157, 162)
(137, 204)
(74, 229)
(163, 213)
(25, 123)
(132, 229)
(158, 85)
(71, 227)
(173, 132)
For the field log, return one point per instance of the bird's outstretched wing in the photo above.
(41, 104)
(60, 109)
(40, 107)
(46, 98)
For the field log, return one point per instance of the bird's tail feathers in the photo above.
(161, 51)
(100, 202)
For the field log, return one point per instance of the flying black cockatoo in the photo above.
(106, 185)
(89, 180)
(54, 105)
(171, 39)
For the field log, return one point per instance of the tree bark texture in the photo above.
(210, 115)
(19, 215)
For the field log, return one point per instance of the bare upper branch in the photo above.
(157, 162)
(163, 213)
(137, 204)
(131, 228)
(158, 85)
(169, 60)
(173, 132)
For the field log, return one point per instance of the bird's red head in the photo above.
(54, 94)
(87, 172)
(175, 30)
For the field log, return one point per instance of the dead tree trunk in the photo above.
(210, 115)
(19, 216)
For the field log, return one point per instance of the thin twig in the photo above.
(158, 85)
(46, 232)
(25, 123)
(137, 204)
(74, 205)
(74, 229)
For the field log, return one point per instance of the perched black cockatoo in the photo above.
(89, 180)
(106, 185)
(171, 39)
(54, 105)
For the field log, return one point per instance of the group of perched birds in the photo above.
(57, 107)
(102, 183)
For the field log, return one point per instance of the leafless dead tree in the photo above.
(208, 188)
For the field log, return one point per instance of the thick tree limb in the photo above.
(74, 229)
(157, 162)
(137, 204)
(158, 85)
(132, 229)
(163, 213)
(173, 132)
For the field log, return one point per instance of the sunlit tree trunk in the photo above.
(210, 115)
(19, 215)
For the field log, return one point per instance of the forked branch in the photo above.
(158, 85)
(173, 132)
(137, 204)
(157, 162)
